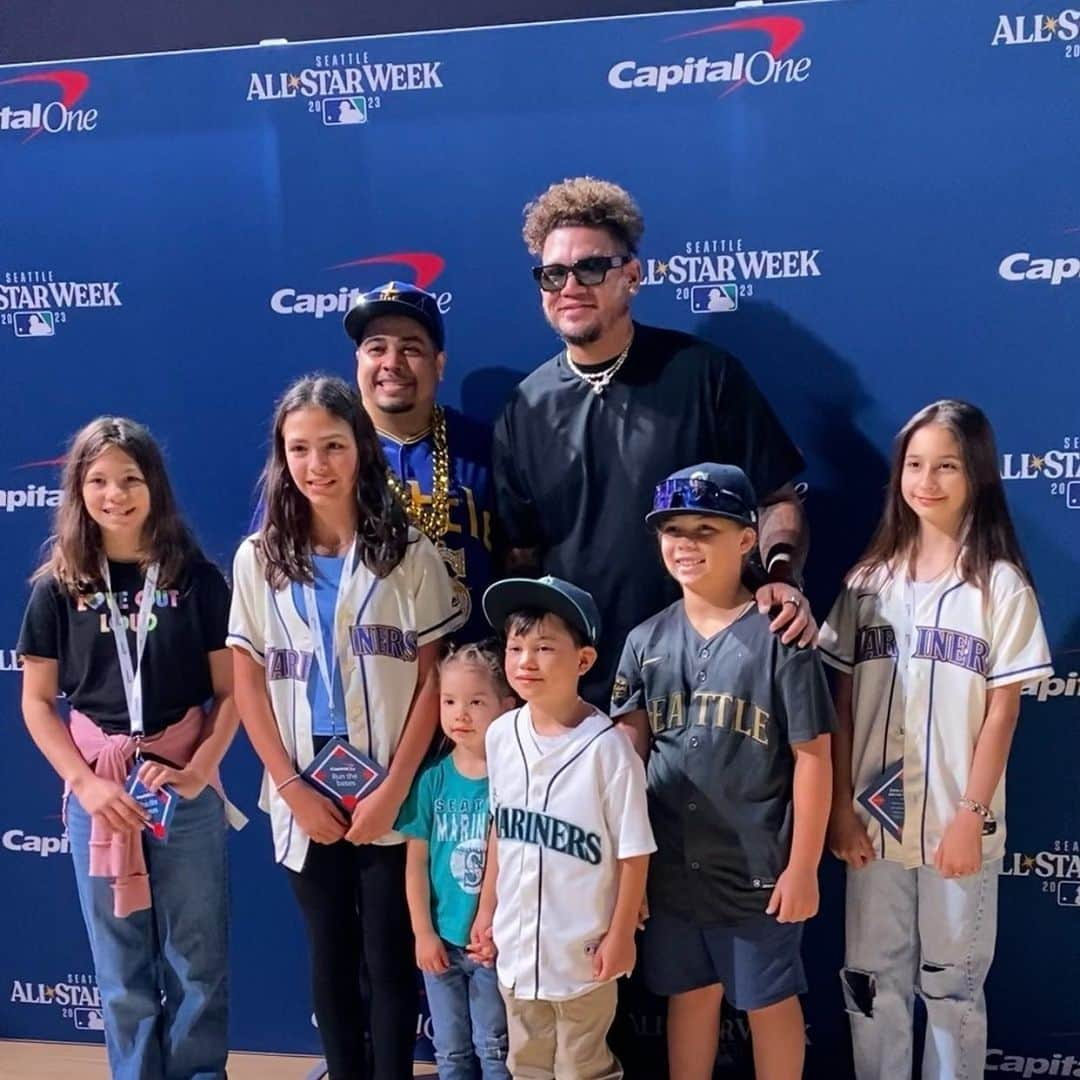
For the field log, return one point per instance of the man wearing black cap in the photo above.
(440, 459)
(586, 437)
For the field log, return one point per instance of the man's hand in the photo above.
(794, 617)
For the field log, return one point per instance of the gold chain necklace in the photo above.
(433, 518)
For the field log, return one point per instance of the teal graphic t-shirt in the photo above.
(450, 812)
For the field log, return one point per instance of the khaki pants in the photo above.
(562, 1040)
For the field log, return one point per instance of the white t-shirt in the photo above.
(381, 624)
(564, 817)
(922, 658)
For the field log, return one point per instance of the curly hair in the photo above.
(584, 200)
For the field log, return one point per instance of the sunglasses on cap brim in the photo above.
(704, 495)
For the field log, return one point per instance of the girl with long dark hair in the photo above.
(935, 633)
(128, 619)
(338, 607)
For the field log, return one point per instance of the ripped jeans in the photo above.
(914, 932)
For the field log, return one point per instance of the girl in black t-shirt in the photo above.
(128, 620)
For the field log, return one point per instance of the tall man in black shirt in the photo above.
(587, 436)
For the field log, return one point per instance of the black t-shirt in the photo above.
(188, 621)
(723, 714)
(575, 471)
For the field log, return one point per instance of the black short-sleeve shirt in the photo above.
(724, 714)
(575, 471)
(188, 621)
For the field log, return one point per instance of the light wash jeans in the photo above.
(914, 932)
(163, 973)
(468, 1018)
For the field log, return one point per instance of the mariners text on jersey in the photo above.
(532, 827)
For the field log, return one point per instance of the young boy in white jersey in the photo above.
(570, 841)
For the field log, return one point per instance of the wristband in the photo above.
(780, 552)
(976, 808)
(287, 781)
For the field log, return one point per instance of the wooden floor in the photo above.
(72, 1061)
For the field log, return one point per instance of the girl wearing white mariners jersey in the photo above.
(337, 610)
(934, 635)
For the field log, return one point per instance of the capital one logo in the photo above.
(761, 67)
(55, 116)
(426, 268)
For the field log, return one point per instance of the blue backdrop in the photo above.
(873, 204)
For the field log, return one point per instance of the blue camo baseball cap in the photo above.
(708, 488)
(574, 606)
(397, 298)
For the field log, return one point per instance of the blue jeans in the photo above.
(163, 973)
(468, 1018)
(914, 932)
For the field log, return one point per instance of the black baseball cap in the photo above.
(708, 488)
(574, 606)
(397, 298)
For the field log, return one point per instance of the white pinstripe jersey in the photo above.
(380, 626)
(921, 665)
(564, 818)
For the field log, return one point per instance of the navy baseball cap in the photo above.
(574, 606)
(397, 298)
(708, 488)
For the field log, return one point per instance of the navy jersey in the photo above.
(723, 715)
(469, 540)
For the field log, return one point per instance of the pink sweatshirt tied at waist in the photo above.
(118, 854)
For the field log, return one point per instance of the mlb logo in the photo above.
(705, 299)
(35, 324)
(1072, 495)
(89, 1020)
(344, 110)
(1068, 894)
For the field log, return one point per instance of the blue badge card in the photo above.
(883, 799)
(159, 805)
(340, 771)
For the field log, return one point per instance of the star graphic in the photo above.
(1038, 461)
(50, 992)
(294, 82)
(1027, 862)
(389, 293)
(1050, 23)
(662, 269)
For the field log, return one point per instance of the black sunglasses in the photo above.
(589, 271)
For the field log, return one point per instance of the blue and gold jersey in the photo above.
(468, 543)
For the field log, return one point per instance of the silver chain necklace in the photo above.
(598, 383)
